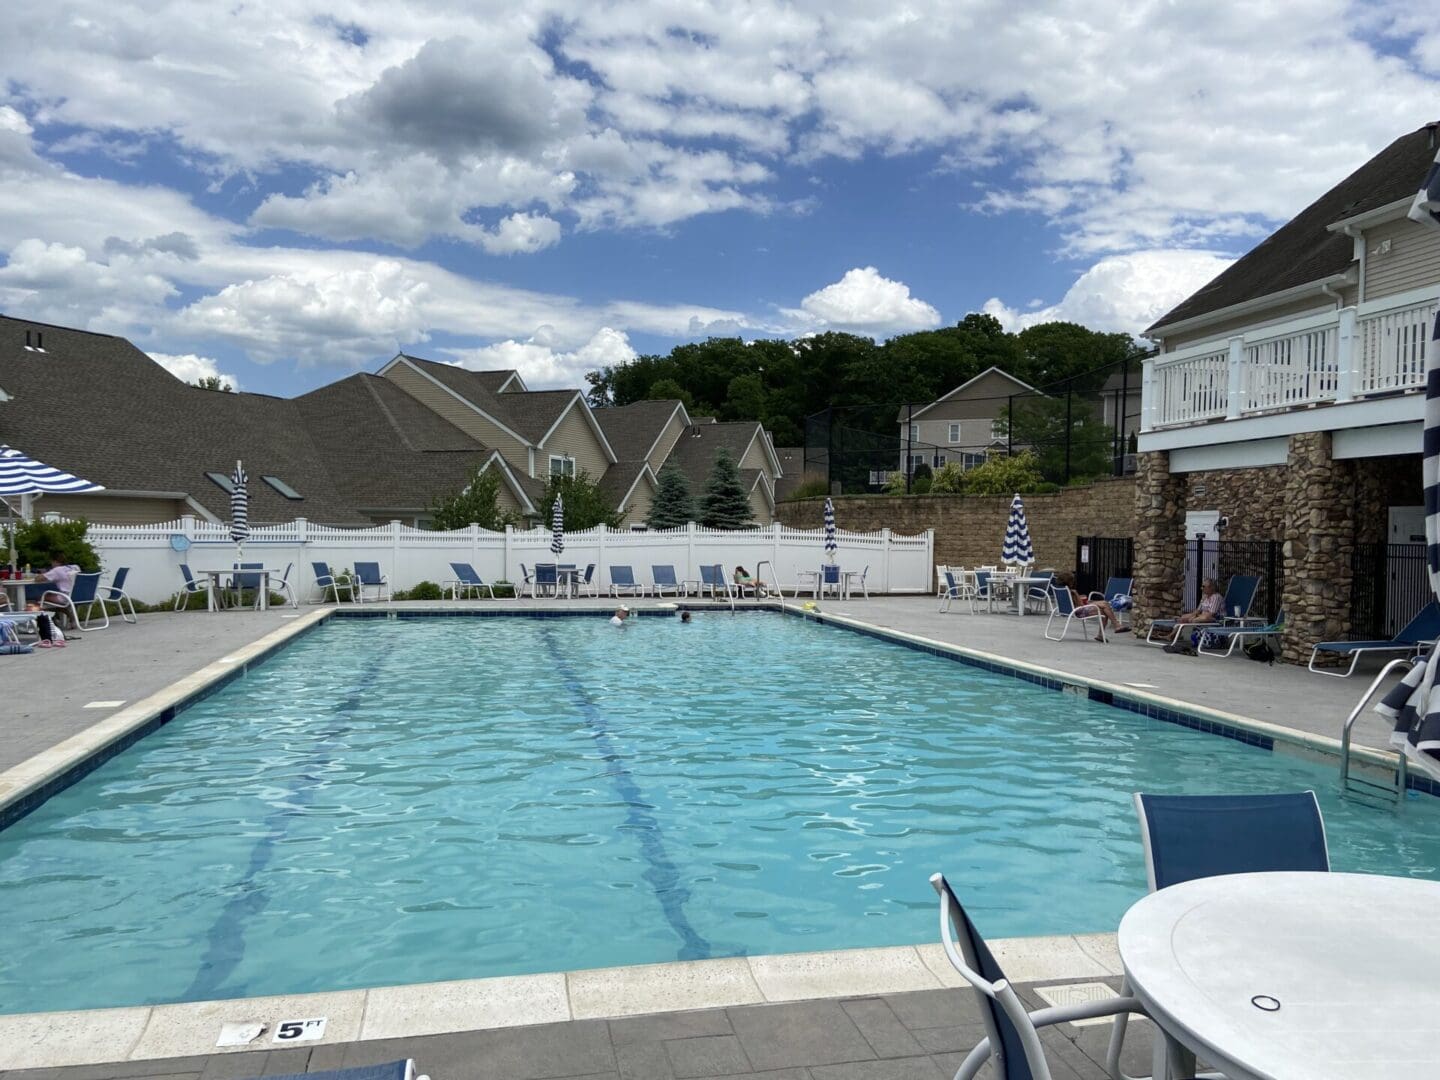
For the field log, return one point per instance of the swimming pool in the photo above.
(390, 801)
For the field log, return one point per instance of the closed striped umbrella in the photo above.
(830, 545)
(1414, 704)
(557, 526)
(1017, 548)
(23, 476)
(239, 508)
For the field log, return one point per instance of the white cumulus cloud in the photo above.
(521, 234)
(187, 367)
(1122, 293)
(543, 364)
(863, 300)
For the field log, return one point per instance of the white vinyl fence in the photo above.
(897, 564)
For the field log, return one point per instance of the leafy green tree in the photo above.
(949, 479)
(1043, 425)
(670, 390)
(673, 505)
(37, 542)
(1057, 351)
(475, 504)
(585, 504)
(726, 505)
(213, 382)
(1003, 476)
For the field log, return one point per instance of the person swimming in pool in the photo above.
(622, 613)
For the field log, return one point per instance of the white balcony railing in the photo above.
(1336, 356)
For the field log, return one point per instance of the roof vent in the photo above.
(39, 341)
(33, 341)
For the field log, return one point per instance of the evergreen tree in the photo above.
(673, 505)
(726, 504)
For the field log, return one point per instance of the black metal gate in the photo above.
(1099, 558)
(1223, 559)
(1390, 586)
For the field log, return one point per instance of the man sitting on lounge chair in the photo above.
(1212, 605)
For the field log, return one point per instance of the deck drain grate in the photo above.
(1078, 994)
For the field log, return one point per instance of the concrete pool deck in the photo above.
(150, 666)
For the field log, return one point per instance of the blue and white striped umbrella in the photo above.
(21, 474)
(1414, 704)
(1017, 548)
(830, 545)
(557, 526)
(239, 508)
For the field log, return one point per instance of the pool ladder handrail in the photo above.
(1348, 783)
(775, 580)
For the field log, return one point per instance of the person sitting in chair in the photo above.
(61, 576)
(744, 581)
(1066, 580)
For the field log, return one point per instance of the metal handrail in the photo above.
(1355, 715)
(761, 577)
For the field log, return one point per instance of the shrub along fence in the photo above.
(896, 564)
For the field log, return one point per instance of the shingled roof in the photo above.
(632, 429)
(1305, 250)
(698, 444)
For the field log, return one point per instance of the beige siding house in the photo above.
(963, 426)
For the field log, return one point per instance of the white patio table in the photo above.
(1021, 588)
(15, 587)
(1271, 976)
(212, 594)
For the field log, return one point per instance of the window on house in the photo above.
(939, 461)
(914, 432)
(916, 459)
(954, 434)
(282, 487)
(999, 430)
(562, 466)
(969, 460)
(879, 477)
(220, 480)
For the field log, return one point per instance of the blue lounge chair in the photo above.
(1012, 1037)
(325, 581)
(368, 576)
(1197, 836)
(1117, 592)
(713, 579)
(547, 580)
(588, 584)
(391, 1070)
(85, 591)
(831, 579)
(466, 581)
(664, 578)
(191, 587)
(1062, 606)
(1239, 595)
(1423, 628)
(1232, 636)
(623, 583)
(115, 593)
(241, 582)
(985, 590)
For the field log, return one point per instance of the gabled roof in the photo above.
(633, 430)
(698, 444)
(523, 487)
(575, 401)
(1021, 383)
(620, 479)
(470, 387)
(1305, 250)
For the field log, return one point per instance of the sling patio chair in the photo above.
(713, 579)
(368, 576)
(466, 581)
(953, 590)
(240, 581)
(84, 591)
(326, 582)
(1239, 596)
(1420, 631)
(1198, 836)
(115, 593)
(623, 583)
(1012, 1034)
(1063, 606)
(664, 578)
(191, 587)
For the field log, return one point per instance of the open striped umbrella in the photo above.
(239, 508)
(23, 476)
(830, 545)
(557, 526)
(1017, 548)
(1414, 704)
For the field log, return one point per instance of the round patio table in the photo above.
(1292, 975)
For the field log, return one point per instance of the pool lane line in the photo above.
(660, 872)
(225, 940)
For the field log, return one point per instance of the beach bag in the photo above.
(1260, 651)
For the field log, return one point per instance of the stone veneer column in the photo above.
(1159, 539)
(1319, 537)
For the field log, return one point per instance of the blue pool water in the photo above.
(408, 801)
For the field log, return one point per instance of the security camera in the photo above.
(1223, 523)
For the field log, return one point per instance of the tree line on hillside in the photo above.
(781, 382)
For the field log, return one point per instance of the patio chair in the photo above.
(954, 590)
(852, 579)
(1239, 595)
(115, 593)
(587, 581)
(1423, 628)
(940, 584)
(1062, 606)
(1012, 1035)
(984, 589)
(664, 578)
(1197, 836)
(191, 587)
(547, 580)
(713, 579)
(368, 576)
(1040, 593)
(527, 581)
(84, 591)
(1231, 636)
(391, 1070)
(325, 581)
(284, 586)
(831, 580)
(466, 581)
(623, 583)
(808, 581)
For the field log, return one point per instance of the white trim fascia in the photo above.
(514, 377)
(1349, 276)
(594, 426)
(199, 509)
(680, 408)
(763, 481)
(552, 458)
(769, 450)
(967, 382)
(526, 506)
(1381, 214)
(1372, 412)
(402, 358)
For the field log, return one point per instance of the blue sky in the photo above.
(285, 193)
